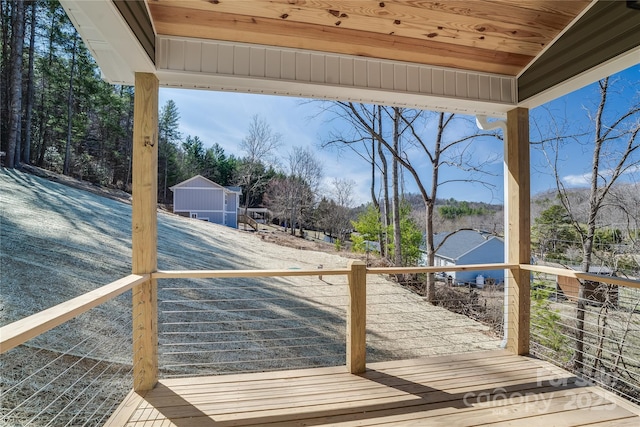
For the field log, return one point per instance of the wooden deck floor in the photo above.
(485, 388)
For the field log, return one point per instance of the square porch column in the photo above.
(144, 238)
(519, 229)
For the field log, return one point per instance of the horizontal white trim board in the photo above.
(242, 67)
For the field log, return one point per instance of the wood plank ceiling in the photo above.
(497, 36)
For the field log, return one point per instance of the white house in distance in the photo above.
(201, 198)
(470, 247)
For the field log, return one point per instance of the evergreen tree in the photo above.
(168, 137)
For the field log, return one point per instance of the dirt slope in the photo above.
(58, 242)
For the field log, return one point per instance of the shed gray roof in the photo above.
(235, 189)
(208, 181)
(460, 243)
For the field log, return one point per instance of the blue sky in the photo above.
(224, 117)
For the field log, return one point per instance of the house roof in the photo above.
(478, 57)
(208, 181)
(460, 243)
(234, 189)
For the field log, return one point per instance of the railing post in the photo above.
(144, 238)
(519, 235)
(357, 318)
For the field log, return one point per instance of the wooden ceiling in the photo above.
(496, 36)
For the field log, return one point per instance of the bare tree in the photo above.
(261, 142)
(259, 148)
(305, 172)
(342, 191)
(441, 150)
(292, 196)
(613, 136)
(278, 198)
(340, 216)
(360, 141)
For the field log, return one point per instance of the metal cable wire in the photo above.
(95, 396)
(262, 350)
(610, 337)
(60, 377)
(226, 322)
(280, 359)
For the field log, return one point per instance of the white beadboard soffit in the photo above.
(239, 67)
(122, 55)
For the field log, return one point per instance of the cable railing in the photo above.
(610, 333)
(233, 325)
(75, 374)
(220, 321)
(401, 324)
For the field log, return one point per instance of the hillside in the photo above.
(63, 242)
(621, 208)
(57, 242)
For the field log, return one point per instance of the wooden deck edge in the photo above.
(251, 377)
(618, 400)
(332, 370)
(125, 410)
(609, 395)
(446, 358)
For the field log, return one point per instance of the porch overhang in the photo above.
(483, 57)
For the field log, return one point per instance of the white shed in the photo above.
(201, 198)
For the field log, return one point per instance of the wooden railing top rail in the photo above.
(613, 280)
(23, 330)
(212, 274)
(16, 333)
(411, 270)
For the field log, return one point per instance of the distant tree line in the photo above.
(456, 209)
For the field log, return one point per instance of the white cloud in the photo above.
(585, 179)
(577, 180)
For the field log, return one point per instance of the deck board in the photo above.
(484, 388)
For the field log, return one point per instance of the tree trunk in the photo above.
(384, 241)
(28, 116)
(15, 83)
(372, 188)
(430, 286)
(67, 151)
(588, 237)
(44, 108)
(166, 172)
(4, 71)
(397, 235)
(429, 204)
(129, 143)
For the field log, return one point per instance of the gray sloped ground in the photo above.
(58, 242)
